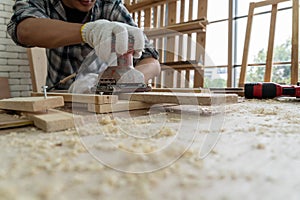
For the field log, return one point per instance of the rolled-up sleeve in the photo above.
(25, 9)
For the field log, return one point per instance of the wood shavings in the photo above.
(106, 120)
(265, 111)
(166, 132)
(253, 149)
(260, 146)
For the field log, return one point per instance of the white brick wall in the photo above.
(13, 59)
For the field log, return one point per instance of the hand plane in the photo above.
(116, 76)
(120, 76)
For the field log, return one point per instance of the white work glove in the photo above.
(98, 34)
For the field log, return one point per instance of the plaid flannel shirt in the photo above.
(66, 60)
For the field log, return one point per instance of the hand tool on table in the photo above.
(271, 90)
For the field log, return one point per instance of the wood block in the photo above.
(205, 99)
(9, 121)
(52, 120)
(4, 88)
(31, 104)
(122, 105)
(83, 98)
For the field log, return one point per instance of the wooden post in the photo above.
(246, 45)
(169, 75)
(269, 62)
(295, 43)
(147, 18)
(201, 40)
(230, 39)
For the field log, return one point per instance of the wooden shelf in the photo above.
(185, 27)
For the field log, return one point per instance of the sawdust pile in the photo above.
(93, 161)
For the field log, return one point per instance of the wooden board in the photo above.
(31, 104)
(10, 121)
(204, 99)
(83, 98)
(38, 67)
(175, 90)
(122, 105)
(4, 88)
(52, 120)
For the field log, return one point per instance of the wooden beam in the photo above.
(147, 18)
(83, 98)
(269, 62)
(185, 27)
(246, 46)
(31, 104)
(230, 44)
(267, 3)
(176, 90)
(230, 90)
(204, 99)
(201, 44)
(169, 73)
(122, 105)
(295, 44)
(146, 4)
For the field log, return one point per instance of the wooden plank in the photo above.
(122, 105)
(295, 44)
(38, 67)
(185, 27)
(53, 120)
(176, 90)
(147, 18)
(205, 99)
(267, 2)
(10, 121)
(201, 43)
(4, 88)
(230, 45)
(246, 46)
(146, 4)
(238, 91)
(139, 18)
(169, 75)
(83, 98)
(31, 104)
(187, 79)
(269, 61)
(178, 78)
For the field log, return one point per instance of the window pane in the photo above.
(217, 9)
(255, 73)
(217, 44)
(215, 77)
(281, 74)
(283, 35)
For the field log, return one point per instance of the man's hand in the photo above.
(98, 34)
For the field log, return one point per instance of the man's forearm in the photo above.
(150, 67)
(48, 33)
